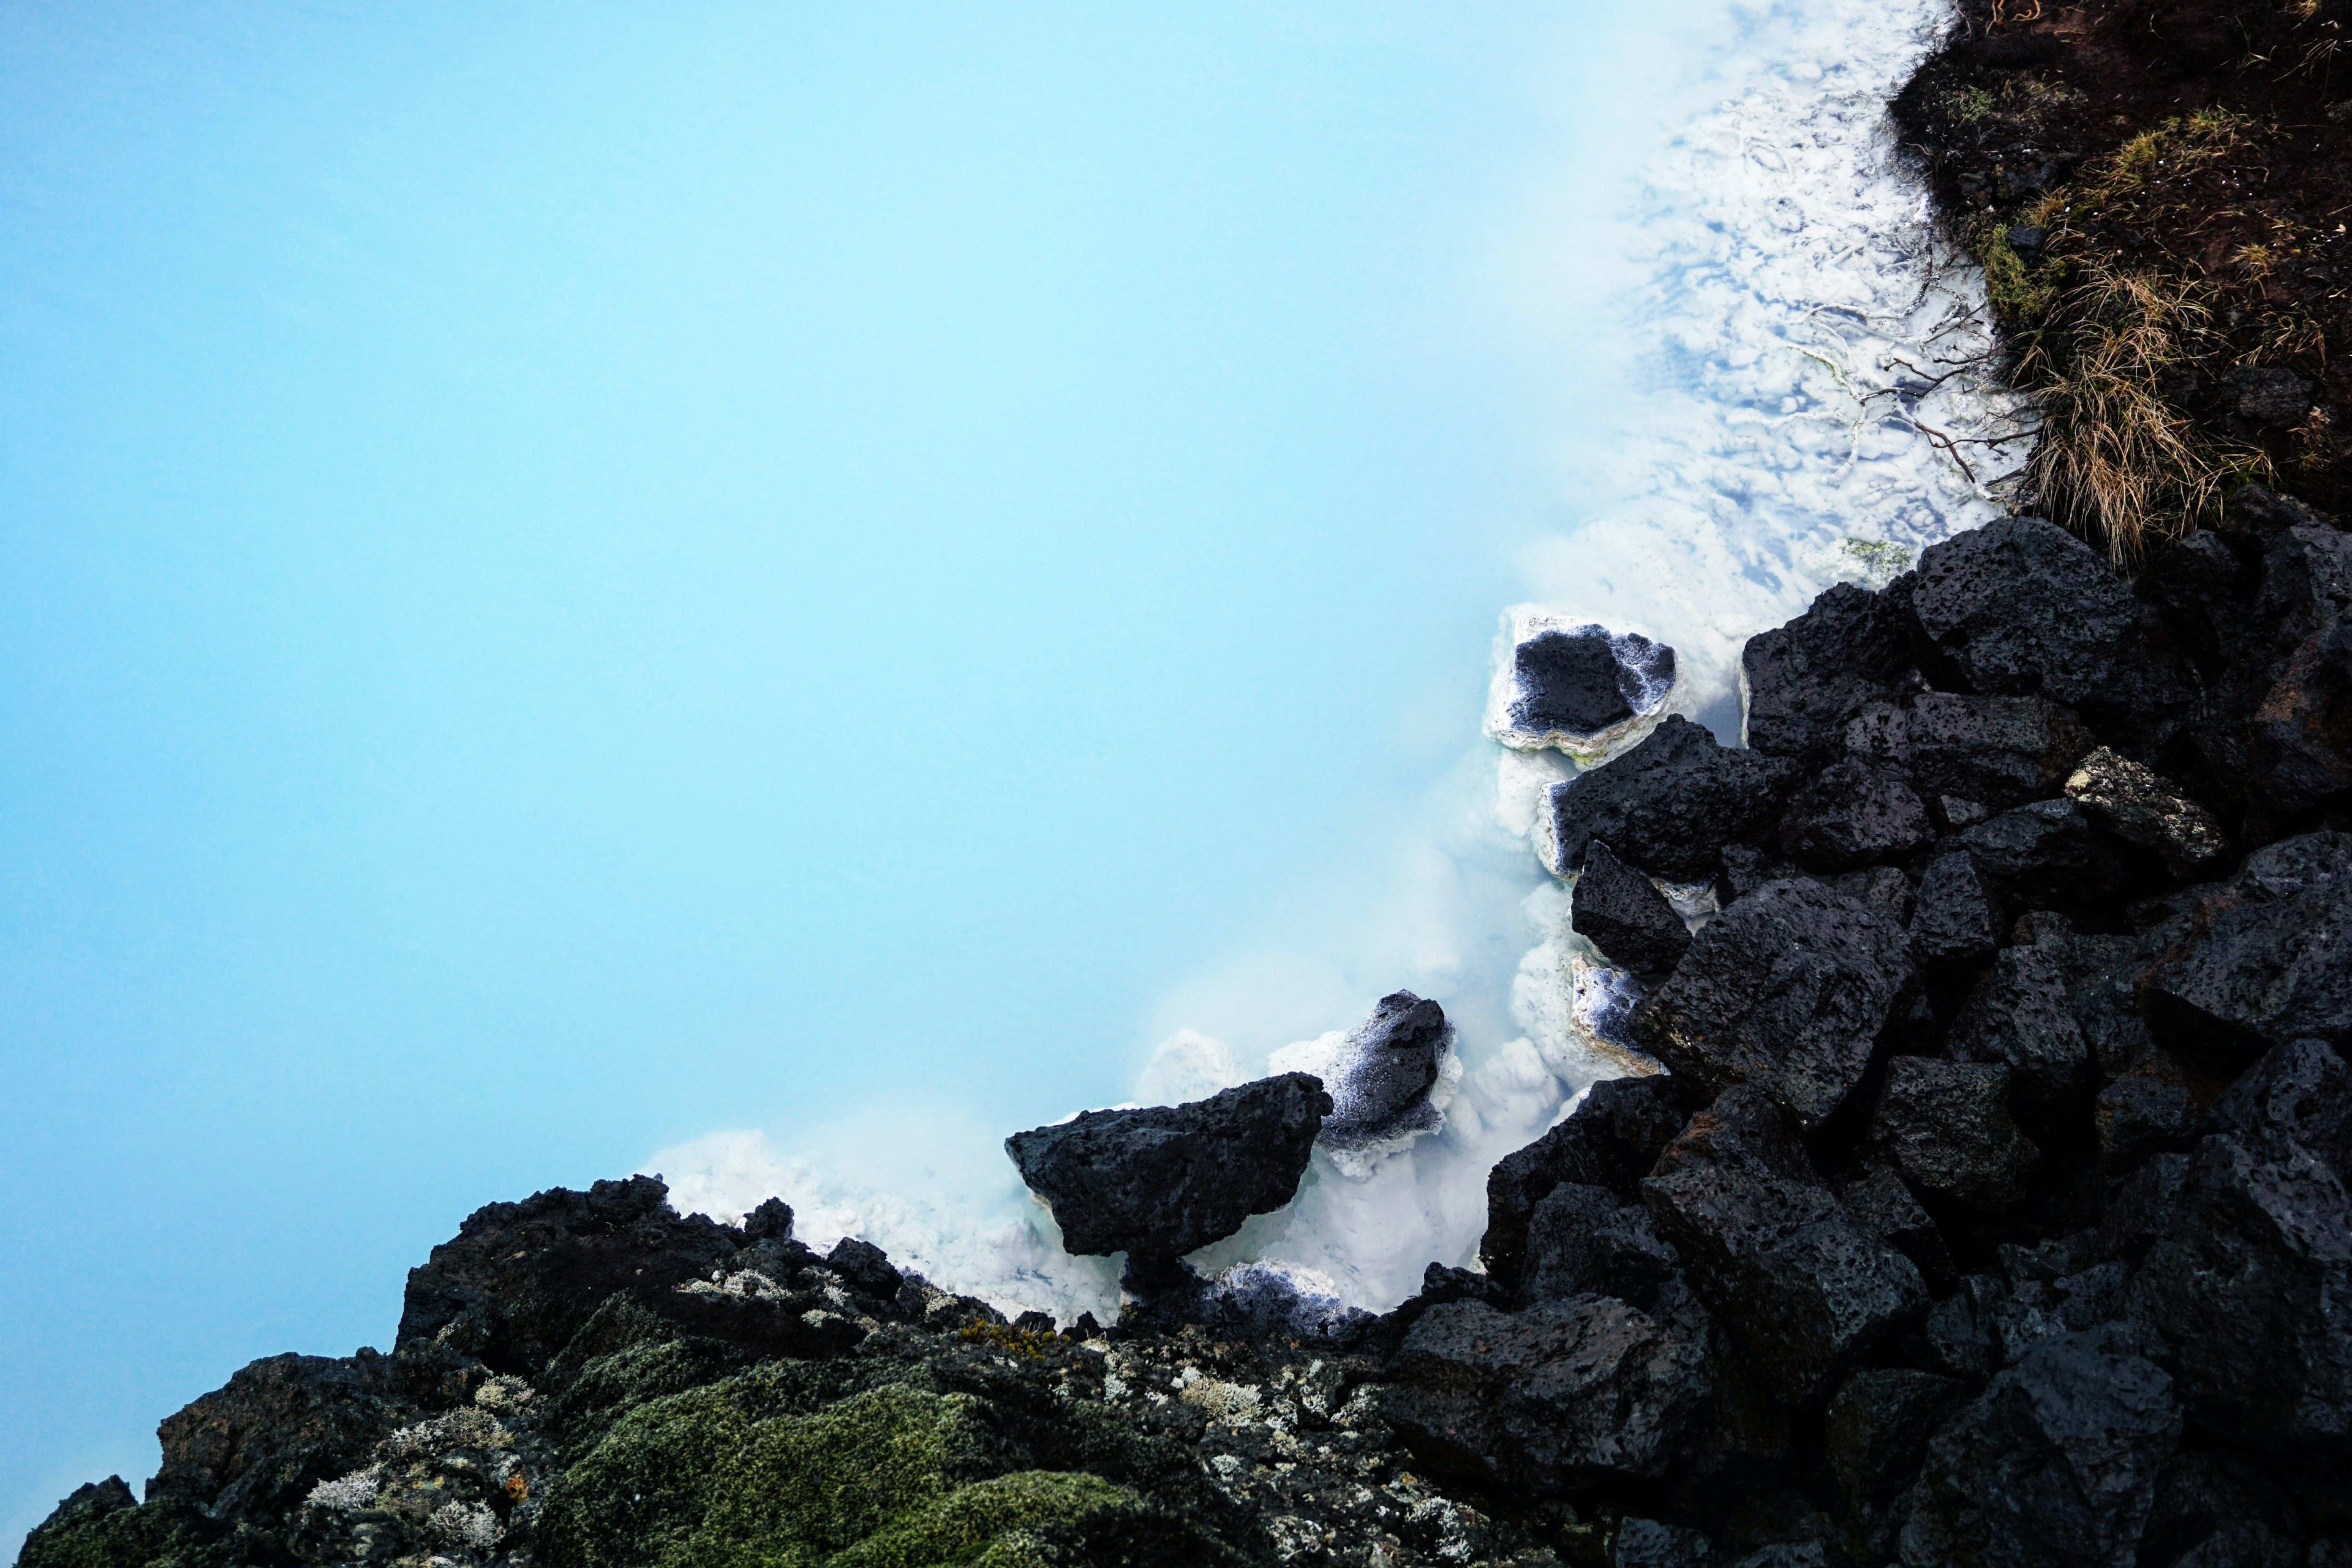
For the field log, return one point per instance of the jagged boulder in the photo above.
(1766, 1244)
(1670, 804)
(2132, 802)
(1946, 1125)
(2022, 607)
(1621, 912)
(2043, 855)
(1801, 682)
(2054, 1465)
(1162, 1181)
(2247, 1285)
(2263, 959)
(1577, 1389)
(1577, 688)
(1587, 1241)
(254, 1447)
(1877, 1426)
(1982, 753)
(1955, 919)
(1609, 1141)
(2301, 735)
(1650, 1544)
(1788, 989)
(2019, 1017)
(518, 1279)
(1853, 814)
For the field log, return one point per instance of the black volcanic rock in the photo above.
(1993, 751)
(2246, 1286)
(1878, 1423)
(1565, 1390)
(1954, 922)
(1947, 1126)
(2022, 607)
(1610, 1142)
(1788, 989)
(1581, 682)
(2300, 750)
(1585, 1241)
(2019, 1017)
(1165, 1180)
(1621, 912)
(254, 1448)
(1379, 1086)
(2042, 855)
(1801, 682)
(518, 1279)
(1647, 1544)
(2264, 958)
(1853, 814)
(2054, 1465)
(865, 1266)
(1765, 1243)
(1670, 804)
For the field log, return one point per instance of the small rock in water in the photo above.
(1167, 1179)
(1389, 1078)
(1584, 689)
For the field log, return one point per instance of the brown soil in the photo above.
(2202, 146)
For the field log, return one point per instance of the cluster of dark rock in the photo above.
(1990, 1210)
(1993, 1208)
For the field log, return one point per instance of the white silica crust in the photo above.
(1809, 398)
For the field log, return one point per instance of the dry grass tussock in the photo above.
(2118, 460)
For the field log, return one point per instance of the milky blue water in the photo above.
(582, 580)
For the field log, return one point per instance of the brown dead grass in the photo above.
(2118, 460)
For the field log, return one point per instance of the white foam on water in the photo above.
(1806, 398)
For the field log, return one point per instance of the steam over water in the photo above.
(1796, 398)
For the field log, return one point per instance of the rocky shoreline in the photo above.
(1990, 1208)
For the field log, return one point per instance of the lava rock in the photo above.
(2297, 1099)
(2220, 1510)
(1881, 887)
(520, 1279)
(1670, 804)
(1382, 1075)
(1877, 1426)
(1610, 1141)
(1646, 1543)
(2247, 1285)
(1853, 814)
(1564, 1391)
(1884, 1206)
(2130, 801)
(2300, 737)
(1583, 1241)
(2042, 854)
(2264, 959)
(254, 1448)
(1621, 912)
(2022, 607)
(1575, 686)
(2142, 1113)
(2054, 1465)
(2268, 396)
(772, 1221)
(1767, 1245)
(2019, 1017)
(1955, 921)
(865, 1266)
(1788, 989)
(1801, 682)
(1985, 753)
(1165, 1180)
(1947, 1126)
